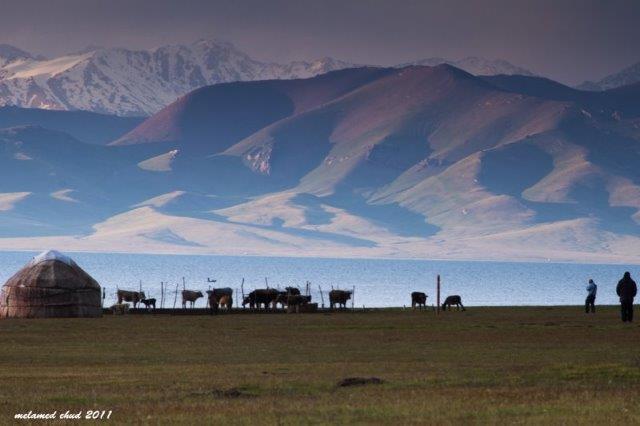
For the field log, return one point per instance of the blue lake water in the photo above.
(378, 283)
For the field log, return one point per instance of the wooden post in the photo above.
(175, 298)
(438, 294)
(266, 282)
(321, 295)
(242, 290)
(353, 297)
(161, 294)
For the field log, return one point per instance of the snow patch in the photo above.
(159, 163)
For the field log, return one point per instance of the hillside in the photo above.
(411, 162)
(83, 125)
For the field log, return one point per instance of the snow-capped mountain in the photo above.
(477, 66)
(141, 82)
(625, 77)
(10, 53)
(130, 83)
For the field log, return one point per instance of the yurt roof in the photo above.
(52, 269)
(52, 255)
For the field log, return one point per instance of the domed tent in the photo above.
(50, 285)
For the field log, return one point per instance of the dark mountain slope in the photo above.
(85, 126)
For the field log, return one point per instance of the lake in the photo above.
(378, 283)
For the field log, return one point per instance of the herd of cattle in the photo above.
(267, 298)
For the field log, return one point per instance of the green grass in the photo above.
(486, 365)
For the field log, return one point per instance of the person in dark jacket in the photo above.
(626, 290)
(590, 302)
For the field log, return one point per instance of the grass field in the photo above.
(485, 365)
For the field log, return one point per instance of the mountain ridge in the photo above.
(407, 162)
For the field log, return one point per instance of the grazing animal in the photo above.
(292, 290)
(453, 300)
(134, 297)
(120, 308)
(259, 297)
(289, 300)
(339, 297)
(190, 296)
(149, 303)
(418, 298)
(220, 296)
(282, 295)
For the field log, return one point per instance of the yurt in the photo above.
(50, 285)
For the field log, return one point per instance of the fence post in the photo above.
(438, 294)
(242, 290)
(321, 295)
(353, 297)
(175, 297)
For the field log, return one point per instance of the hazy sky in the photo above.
(564, 39)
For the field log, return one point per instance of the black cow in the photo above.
(266, 297)
(418, 299)
(149, 303)
(292, 299)
(453, 300)
(282, 296)
(339, 297)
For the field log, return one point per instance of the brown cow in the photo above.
(418, 298)
(339, 297)
(134, 297)
(190, 296)
(220, 296)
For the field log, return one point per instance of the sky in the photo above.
(567, 40)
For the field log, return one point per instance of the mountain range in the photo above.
(629, 75)
(133, 82)
(139, 83)
(412, 162)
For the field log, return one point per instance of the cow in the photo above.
(339, 297)
(149, 303)
(292, 290)
(453, 300)
(130, 296)
(120, 308)
(418, 298)
(190, 296)
(220, 296)
(259, 297)
(290, 300)
(282, 295)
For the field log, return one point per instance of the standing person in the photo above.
(590, 303)
(627, 290)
